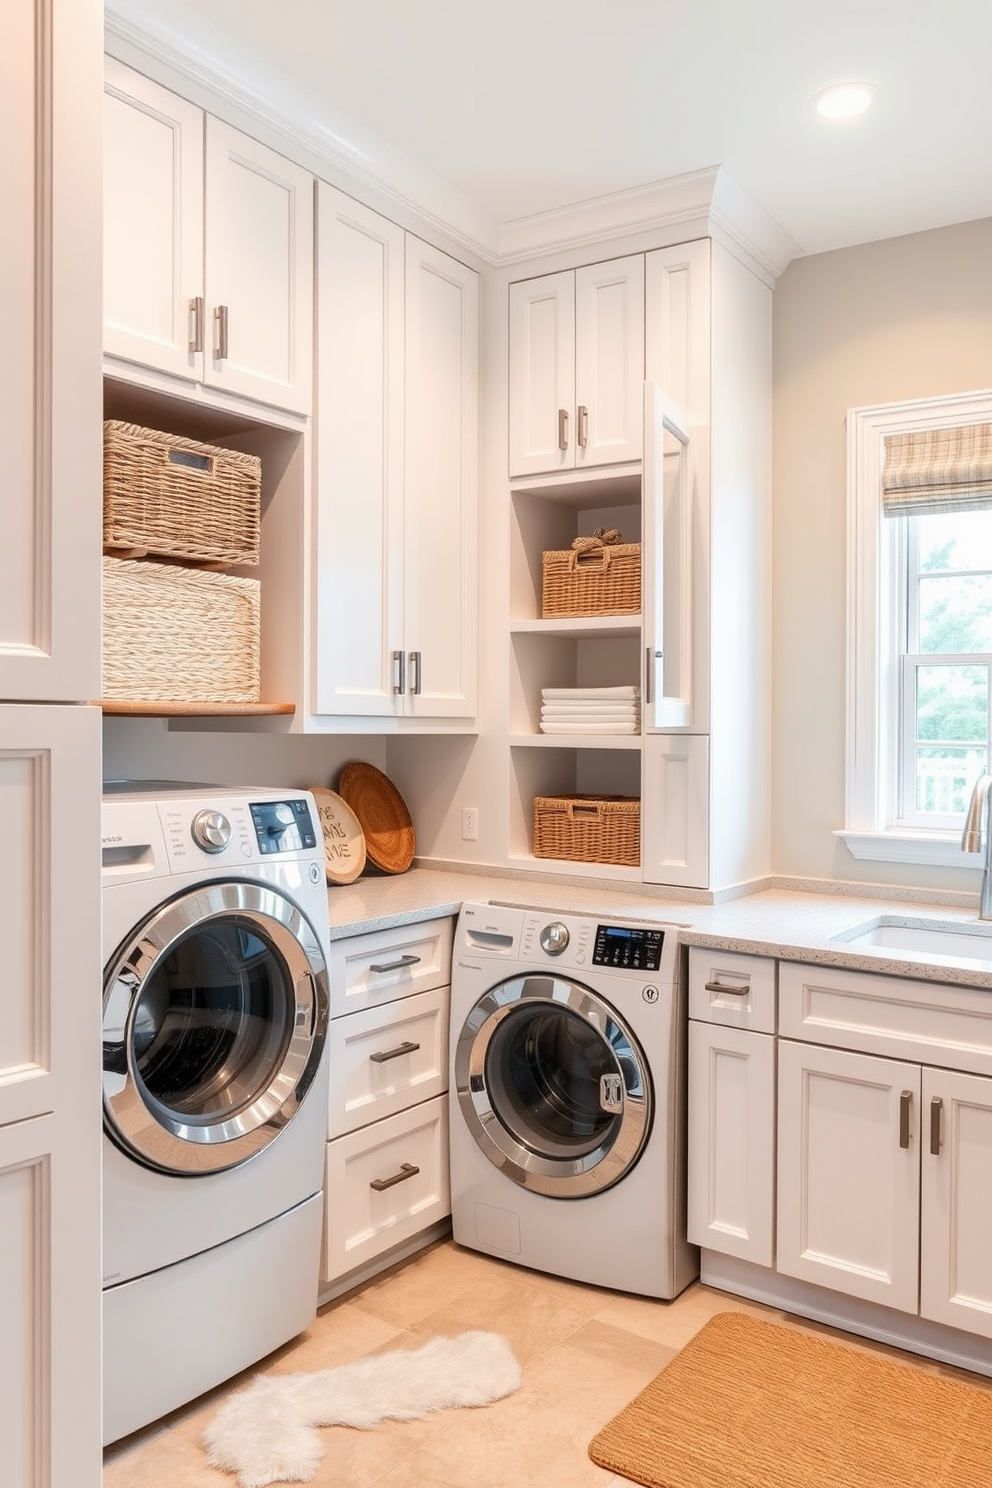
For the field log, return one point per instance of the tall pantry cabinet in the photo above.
(640, 399)
(50, 67)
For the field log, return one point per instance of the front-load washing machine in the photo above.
(214, 1086)
(568, 1130)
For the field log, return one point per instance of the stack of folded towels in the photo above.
(591, 710)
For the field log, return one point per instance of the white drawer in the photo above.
(927, 1022)
(384, 1059)
(365, 970)
(726, 987)
(371, 1201)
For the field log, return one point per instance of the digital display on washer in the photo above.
(281, 826)
(631, 949)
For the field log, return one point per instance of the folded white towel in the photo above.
(590, 694)
(585, 726)
(588, 710)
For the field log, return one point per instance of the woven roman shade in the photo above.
(937, 470)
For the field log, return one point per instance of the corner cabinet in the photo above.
(208, 248)
(683, 333)
(395, 508)
(50, 1129)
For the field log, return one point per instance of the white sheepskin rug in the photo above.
(265, 1433)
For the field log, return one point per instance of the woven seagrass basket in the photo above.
(179, 635)
(591, 581)
(588, 829)
(177, 498)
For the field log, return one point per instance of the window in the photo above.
(920, 629)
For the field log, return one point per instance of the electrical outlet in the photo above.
(470, 823)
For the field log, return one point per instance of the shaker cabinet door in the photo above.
(258, 271)
(956, 1206)
(542, 374)
(152, 224)
(441, 578)
(609, 361)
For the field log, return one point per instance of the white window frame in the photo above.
(875, 560)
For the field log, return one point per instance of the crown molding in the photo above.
(177, 47)
(700, 203)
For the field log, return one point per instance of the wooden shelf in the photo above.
(130, 709)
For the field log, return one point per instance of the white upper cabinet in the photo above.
(440, 543)
(208, 248)
(50, 322)
(577, 368)
(397, 478)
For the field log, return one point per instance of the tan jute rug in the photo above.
(749, 1404)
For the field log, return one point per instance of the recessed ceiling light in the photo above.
(845, 100)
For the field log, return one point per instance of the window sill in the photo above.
(933, 849)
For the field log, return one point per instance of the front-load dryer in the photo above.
(215, 1012)
(568, 1123)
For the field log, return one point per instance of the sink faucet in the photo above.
(978, 825)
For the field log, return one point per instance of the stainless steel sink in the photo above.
(950, 940)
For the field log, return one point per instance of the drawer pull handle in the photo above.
(196, 328)
(220, 338)
(905, 1105)
(583, 426)
(734, 990)
(386, 1054)
(936, 1106)
(563, 428)
(407, 1170)
(399, 965)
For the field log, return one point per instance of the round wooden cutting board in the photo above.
(382, 812)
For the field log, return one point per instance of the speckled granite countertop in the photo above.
(793, 924)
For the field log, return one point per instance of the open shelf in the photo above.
(131, 709)
(580, 627)
(577, 869)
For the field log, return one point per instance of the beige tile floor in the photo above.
(584, 1351)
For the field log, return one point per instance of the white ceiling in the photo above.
(526, 105)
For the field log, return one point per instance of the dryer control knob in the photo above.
(211, 830)
(554, 938)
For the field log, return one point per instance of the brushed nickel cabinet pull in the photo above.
(408, 960)
(936, 1106)
(583, 430)
(196, 324)
(399, 661)
(416, 671)
(220, 328)
(905, 1104)
(407, 1170)
(648, 673)
(563, 428)
(737, 990)
(388, 1054)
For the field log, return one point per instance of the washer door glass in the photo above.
(553, 1086)
(215, 1016)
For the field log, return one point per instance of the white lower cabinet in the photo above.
(849, 1172)
(386, 1171)
(732, 1141)
(871, 1162)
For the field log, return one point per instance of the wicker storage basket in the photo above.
(179, 635)
(592, 581)
(177, 498)
(588, 829)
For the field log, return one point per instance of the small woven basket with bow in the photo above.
(599, 575)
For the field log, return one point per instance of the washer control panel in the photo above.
(629, 947)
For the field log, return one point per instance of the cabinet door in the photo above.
(50, 332)
(609, 361)
(677, 325)
(669, 502)
(542, 374)
(732, 1141)
(441, 578)
(258, 271)
(849, 1173)
(359, 496)
(956, 1256)
(152, 224)
(675, 809)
